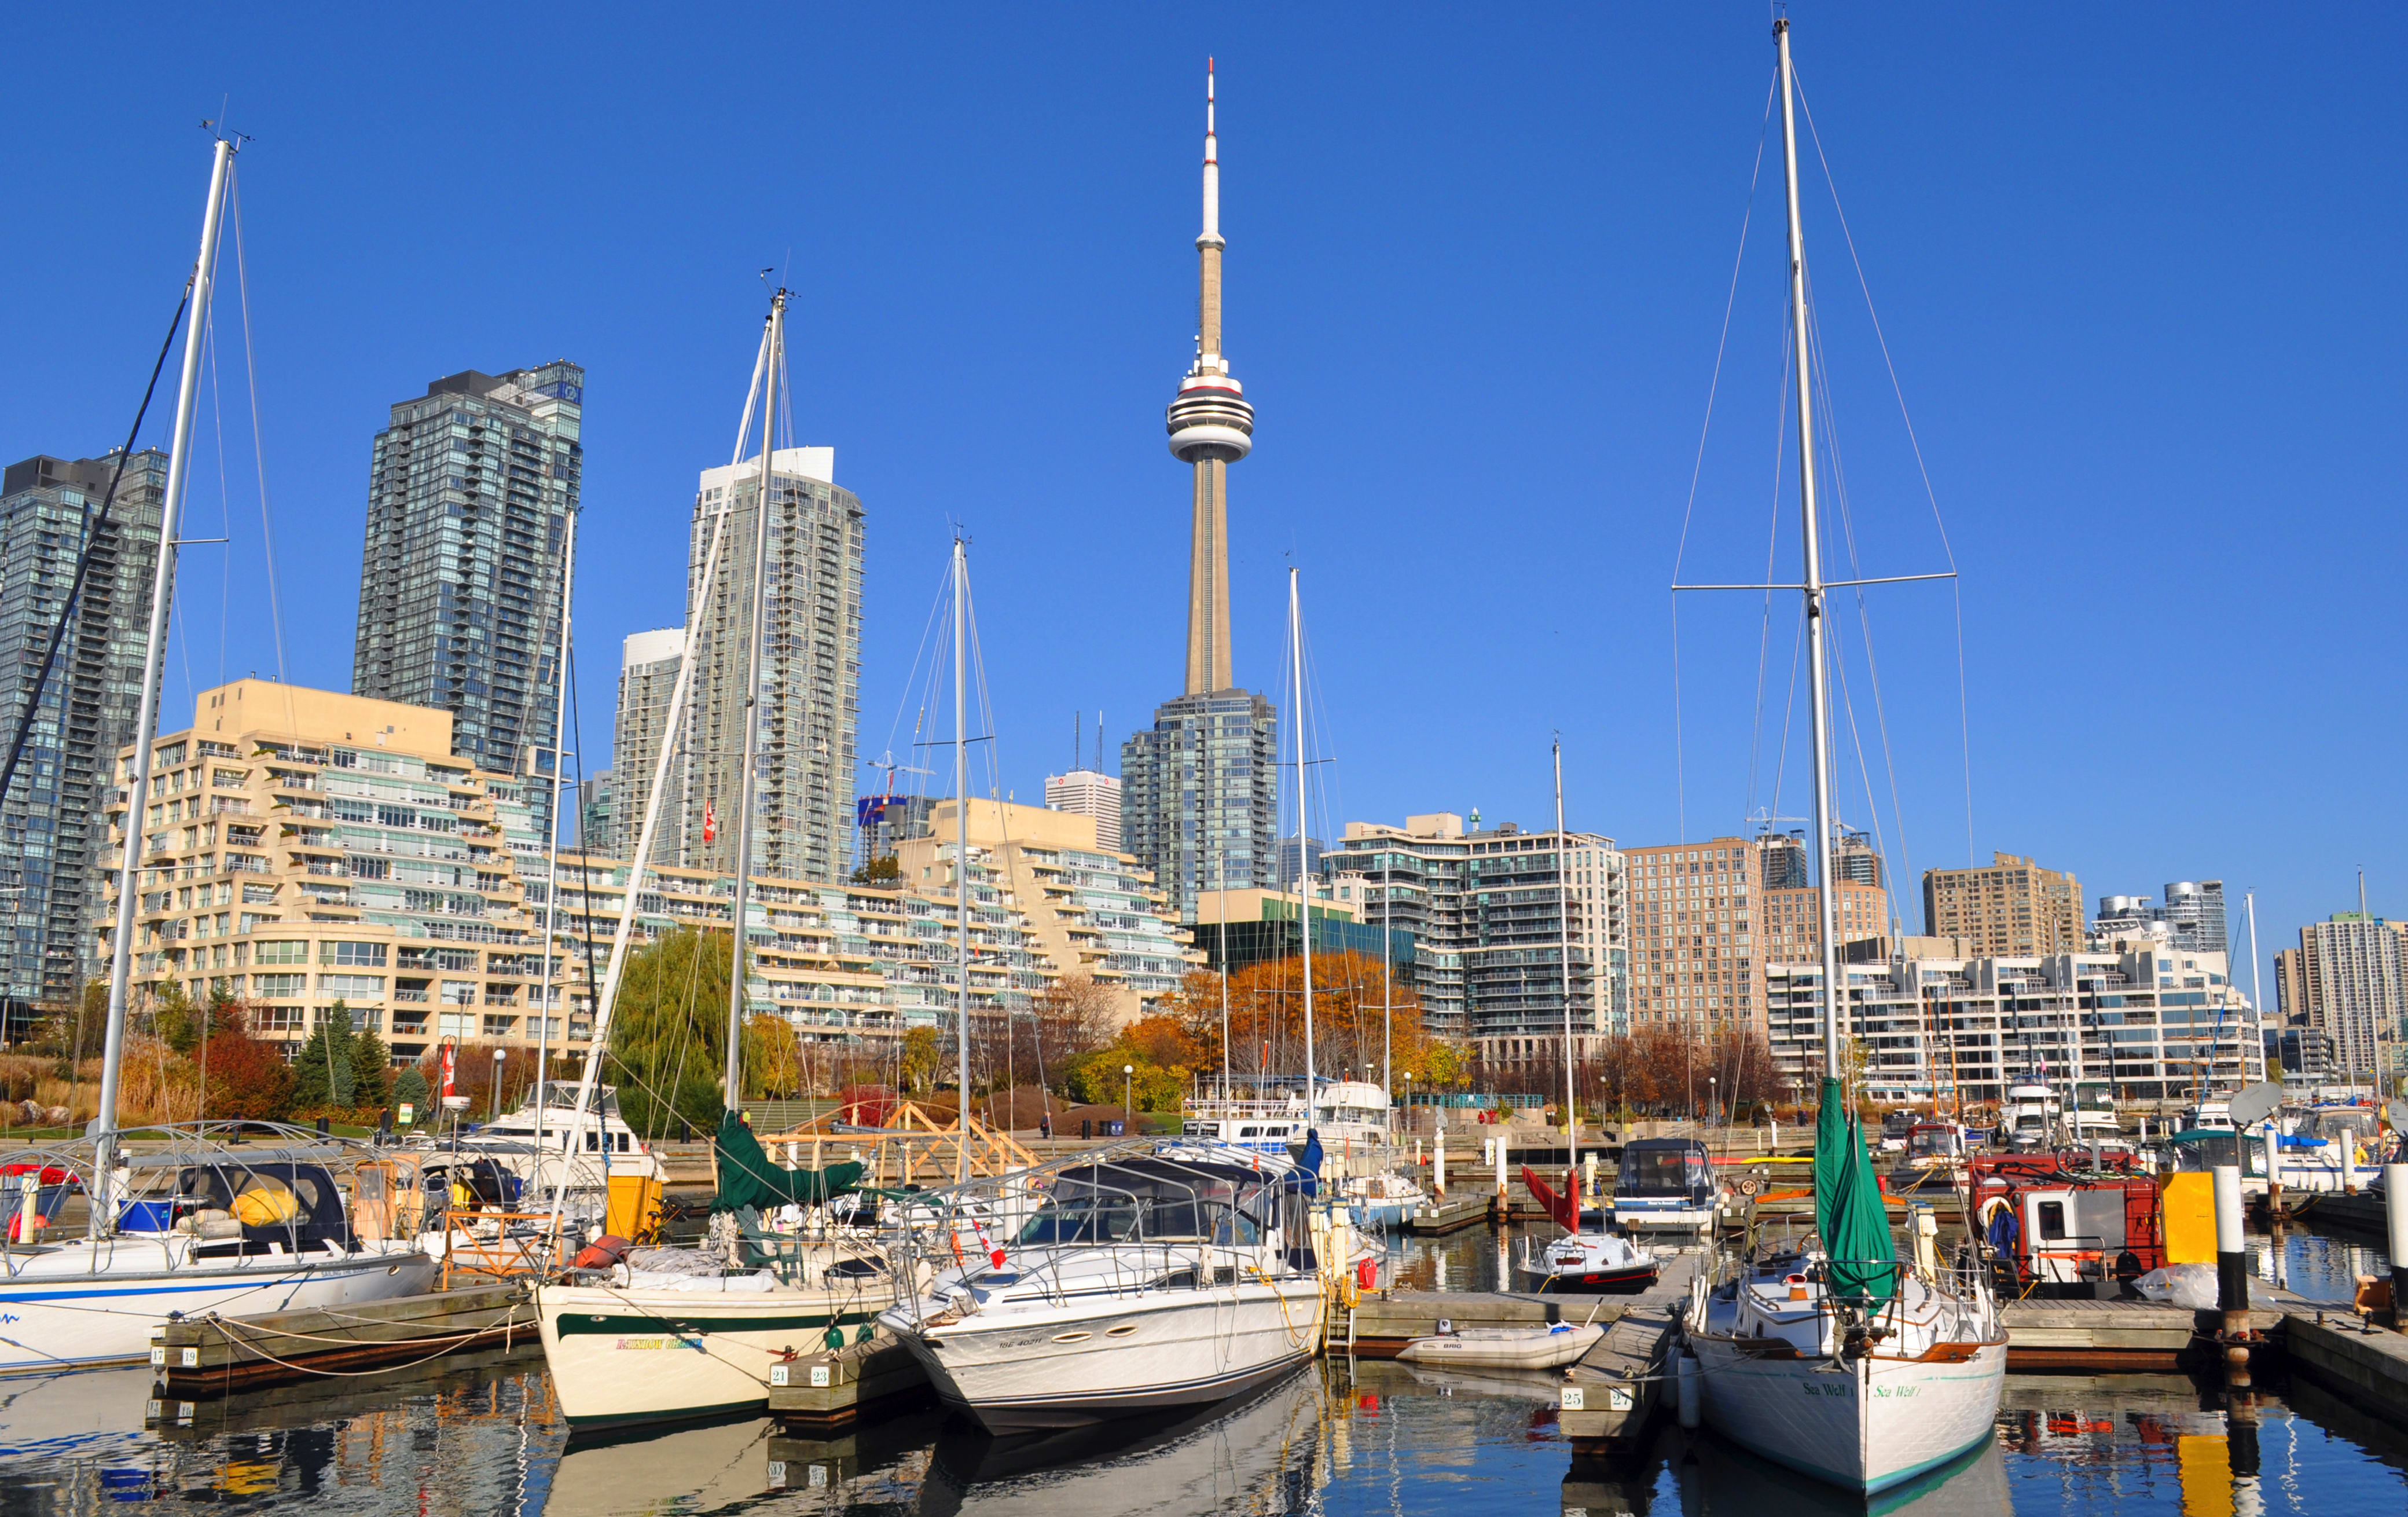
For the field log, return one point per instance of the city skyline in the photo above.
(1578, 445)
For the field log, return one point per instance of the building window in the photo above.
(278, 953)
(272, 987)
(365, 954)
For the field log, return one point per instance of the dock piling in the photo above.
(2232, 1295)
(2395, 1233)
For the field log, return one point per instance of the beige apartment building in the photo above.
(2013, 908)
(1707, 918)
(303, 849)
(1090, 910)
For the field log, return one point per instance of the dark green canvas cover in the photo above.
(1849, 1211)
(748, 1179)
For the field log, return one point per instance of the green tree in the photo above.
(409, 1088)
(669, 1034)
(321, 1072)
(176, 1019)
(886, 873)
(371, 1073)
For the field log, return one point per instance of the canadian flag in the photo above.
(448, 1068)
(994, 1254)
(709, 823)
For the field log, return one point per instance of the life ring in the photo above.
(1990, 1210)
(1749, 1185)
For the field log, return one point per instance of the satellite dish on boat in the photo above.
(2256, 1103)
(2395, 1111)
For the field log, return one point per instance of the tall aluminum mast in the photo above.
(1564, 901)
(606, 999)
(154, 657)
(584, 844)
(1827, 902)
(1303, 875)
(962, 842)
(773, 371)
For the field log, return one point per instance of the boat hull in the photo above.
(61, 1317)
(1631, 1279)
(1536, 1348)
(1150, 1352)
(620, 1355)
(1865, 1425)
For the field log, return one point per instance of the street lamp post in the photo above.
(499, 1054)
(1128, 1111)
(1713, 1097)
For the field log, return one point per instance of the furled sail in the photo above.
(1849, 1211)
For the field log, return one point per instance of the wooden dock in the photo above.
(2363, 1364)
(2131, 1336)
(1451, 1214)
(1613, 1393)
(211, 1355)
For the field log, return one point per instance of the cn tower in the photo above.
(1199, 789)
(1211, 428)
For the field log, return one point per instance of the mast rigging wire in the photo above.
(1697, 468)
(94, 524)
(1964, 713)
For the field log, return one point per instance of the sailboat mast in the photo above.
(772, 370)
(155, 657)
(1303, 883)
(962, 842)
(1828, 899)
(551, 888)
(1564, 901)
(606, 1000)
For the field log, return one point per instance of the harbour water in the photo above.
(478, 1437)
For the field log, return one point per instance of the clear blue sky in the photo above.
(2139, 270)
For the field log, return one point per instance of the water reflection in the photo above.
(486, 1438)
(2317, 1266)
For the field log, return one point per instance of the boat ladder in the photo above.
(1330, 1342)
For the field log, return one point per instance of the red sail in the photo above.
(1564, 1208)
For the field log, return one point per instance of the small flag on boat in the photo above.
(994, 1254)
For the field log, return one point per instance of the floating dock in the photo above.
(208, 1356)
(829, 1391)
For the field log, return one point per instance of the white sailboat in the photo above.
(1835, 1360)
(636, 1342)
(196, 1228)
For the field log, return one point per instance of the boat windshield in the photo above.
(1147, 1199)
(1660, 1171)
(1931, 1140)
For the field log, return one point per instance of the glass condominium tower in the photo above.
(51, 835)
(810, 672)
(470, 491)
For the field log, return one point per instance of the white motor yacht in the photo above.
(1351, 1115)
(1153, 1276)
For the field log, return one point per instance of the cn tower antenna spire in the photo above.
(1212, 162)
(1211, 427)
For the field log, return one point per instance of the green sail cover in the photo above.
(748, 1179)
(1849, 1211)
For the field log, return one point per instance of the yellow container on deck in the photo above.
(634, 1212)
(2190, 1218)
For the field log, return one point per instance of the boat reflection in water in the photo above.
(468, 1437)
(1245, 1455)
(1721, 1477)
